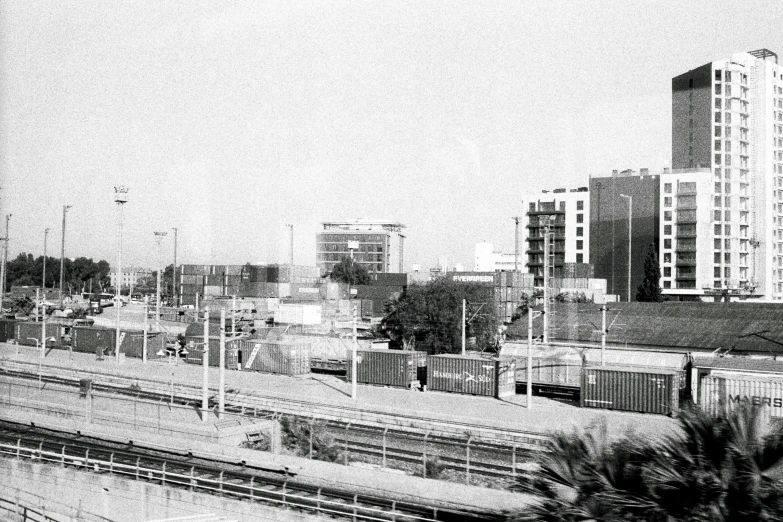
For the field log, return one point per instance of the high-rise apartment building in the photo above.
(727, 116)
(377, 245)
(613, 200)
(565, 214)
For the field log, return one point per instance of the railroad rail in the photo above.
(272, 485)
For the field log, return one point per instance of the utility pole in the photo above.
(43, 279)
(546, 283)
(233, 316)
(146, 331)
(62, 254)
(353, 357)
(4, 262)
(516, 243)
(291, 251)
(158, 237)
(174, 292)
(603, 333)
(464, 305)
(205, 361)
(120, 197)
(630, 215)
(529, 374)
(222, 362)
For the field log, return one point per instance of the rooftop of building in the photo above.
(723, 327)
(764, 54)
(363, 224)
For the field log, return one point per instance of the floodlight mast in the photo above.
(120, 198)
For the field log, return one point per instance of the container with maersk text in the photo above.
(472, 375)
(643, 390)
(720, 393)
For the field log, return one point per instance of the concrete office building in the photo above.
(489, 260)
(609, 212)
(375, 244)
(565, 214)
(727, 116)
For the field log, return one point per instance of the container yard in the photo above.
(642, 390)
(384, 367)
(472, 375)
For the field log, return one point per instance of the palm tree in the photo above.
(725, 468)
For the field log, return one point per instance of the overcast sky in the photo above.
(230, 119)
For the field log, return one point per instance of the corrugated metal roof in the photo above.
(739, 363)
(686, 326)
(614, 357)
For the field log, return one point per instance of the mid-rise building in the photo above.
(490, 260)
(727, 116)
(564, 214)
(377, 245)
(130, 277)
(613, 199)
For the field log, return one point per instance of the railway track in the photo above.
(357, 438)
(272, 485)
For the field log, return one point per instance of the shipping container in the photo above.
(306, 292)
(213, 290)
(91, 339)
(133, 344)
(215, 280)
(7, 330)
(233, 270)
(721, 392)
(556, 367)
(398, 368)
(195, 348)
(732, 367)
(472, 374)
(298, 314)
(198, 270)
(287, 358)
(389, 279)
(29, 334)
(643, 390)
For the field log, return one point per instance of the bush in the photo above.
(433, 467)
(296, 435)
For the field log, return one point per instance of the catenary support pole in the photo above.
(174, 292)
(464, 317)
(222, 368)
(146, 332)
(353, 357)
(205, 360)
(529, 374)
(62, 255)
(603, 333)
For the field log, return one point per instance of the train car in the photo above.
(558, 369)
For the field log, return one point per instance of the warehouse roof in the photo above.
(734, 327)
(739, 363)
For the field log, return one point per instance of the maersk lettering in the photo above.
(757, 400)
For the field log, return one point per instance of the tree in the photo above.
(650, 291)
(429, 316)
(346, 271)
(728, 467)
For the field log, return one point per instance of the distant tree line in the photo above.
(78, 274)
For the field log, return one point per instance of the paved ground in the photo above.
(545, 416)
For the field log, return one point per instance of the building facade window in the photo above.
(580, 258)
(667, 188)
(580, 218)
(667, 230)
(579, 231)
(667, 215)
(667, 243)
(580, 244)
(580, 205)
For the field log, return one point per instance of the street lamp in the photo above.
(120, 197)
(630, 215)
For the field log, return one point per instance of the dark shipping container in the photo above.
(27, 333)
(386, 367)
(472, 374)
(632, 389)
(7, 330)
(195, 348)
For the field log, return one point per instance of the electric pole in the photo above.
(62, 255)
(120, 197)
(516, 243)
(3, 262)
(158, 238)
(174, 274)
(43, 280)
(291, 250)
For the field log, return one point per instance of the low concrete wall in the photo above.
(86, 496)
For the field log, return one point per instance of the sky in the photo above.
(229, 120)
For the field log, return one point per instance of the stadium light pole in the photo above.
(630, 215)
(158, 238)
(120, 197)
(62, 252)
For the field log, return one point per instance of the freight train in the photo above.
(631, 380)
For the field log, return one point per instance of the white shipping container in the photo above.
(721, 392)
(298, 314)
(213, 290)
